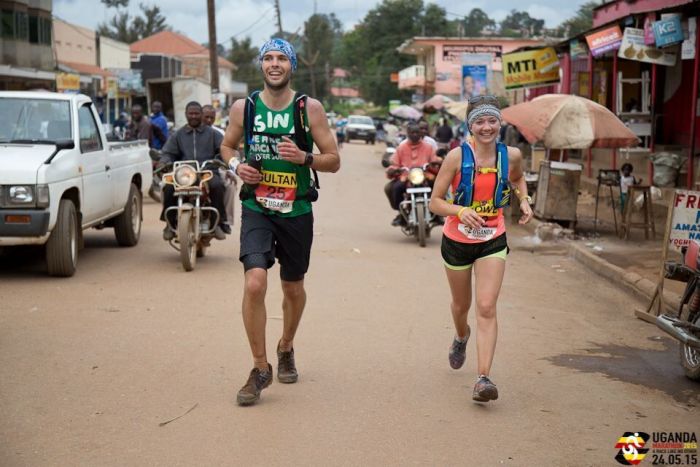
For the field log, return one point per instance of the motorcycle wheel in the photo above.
(188, 245)
(690, 356)
(422, 226)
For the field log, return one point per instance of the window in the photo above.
(7, 24)
(21, 25)
(33, 29)
(45, 26)
(89, 135)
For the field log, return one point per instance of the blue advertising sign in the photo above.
(668, 32)
(474, 80)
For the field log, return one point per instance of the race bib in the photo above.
(481, 234)
(484, 208)
(277, 191)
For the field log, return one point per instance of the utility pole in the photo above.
(213, 52)
(279, 18)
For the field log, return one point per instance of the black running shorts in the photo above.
(459, 256)
(266, 237)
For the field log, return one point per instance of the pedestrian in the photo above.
(229, 178)
(159, 126)
(280, 129)
(340, 124)
(474, 236)
(626, 180)
(139, 127)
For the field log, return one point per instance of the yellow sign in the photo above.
(530, 68)
(112, 87)
(67, 82)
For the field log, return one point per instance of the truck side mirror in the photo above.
(65, 144)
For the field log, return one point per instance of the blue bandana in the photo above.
(279, 45)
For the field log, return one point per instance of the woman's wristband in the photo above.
(459, 213)
(233, 164)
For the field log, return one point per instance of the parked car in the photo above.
(59, 175)
(360, 127)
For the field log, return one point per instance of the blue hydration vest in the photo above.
(465, 190)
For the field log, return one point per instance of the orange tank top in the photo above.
(484, 187)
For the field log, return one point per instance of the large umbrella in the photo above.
(458, 109)
(562, 121)
(406, 112)
(435, 103)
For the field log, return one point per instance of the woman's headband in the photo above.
(483, 110)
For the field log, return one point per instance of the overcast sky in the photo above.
(256, 18)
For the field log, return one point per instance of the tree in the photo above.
(581, 22)
(315, 52)
(245, 57)
(518, 23)
(125, 29)
(476, 22)
(369, 51)
(435, 22)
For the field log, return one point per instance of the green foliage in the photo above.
(476, 22)
(245, 57)
(519, 22)
(316, 55)
(125, 29)
(582, 22)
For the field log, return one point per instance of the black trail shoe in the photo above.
(286, 370)
(257, 381)
(484, 390)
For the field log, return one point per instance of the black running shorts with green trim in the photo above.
(266, 237)
(459, 256)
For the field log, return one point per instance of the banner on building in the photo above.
(685, 224)
(531, 68)
(649, 38)
(474, 81)
(688, 47)
(634, 48)
(453, 53)
(112, 87)
(668, 31)
(67, 82)
(577, 48)
(604, 41)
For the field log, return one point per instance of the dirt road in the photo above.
(92, 366)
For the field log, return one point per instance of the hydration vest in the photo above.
(299, 137)
(464, 195)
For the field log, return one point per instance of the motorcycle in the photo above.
(418, 220)
(156, 188)
(196, 220)
(684, 326)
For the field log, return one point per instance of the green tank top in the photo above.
(283, 182)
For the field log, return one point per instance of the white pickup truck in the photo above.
(59, 176)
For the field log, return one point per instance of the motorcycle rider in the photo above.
(229, 178)
(194, 141)
(414, 152)
(159, 126)
(277, 216)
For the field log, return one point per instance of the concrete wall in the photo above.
(74, 43)
(114, 54)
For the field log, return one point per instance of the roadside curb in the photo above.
(633, 283)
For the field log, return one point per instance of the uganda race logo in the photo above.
(631, 448)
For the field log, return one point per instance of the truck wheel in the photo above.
(188, 243)
(62, 247)
(690, 356)
(127, 226)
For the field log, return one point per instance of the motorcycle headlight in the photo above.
(22, 194)
(185, 175)
(416, 176)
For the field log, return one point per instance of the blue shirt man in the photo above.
(160, 126)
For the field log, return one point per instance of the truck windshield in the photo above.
(360, 121)
(34, 121)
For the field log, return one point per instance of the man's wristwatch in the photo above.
(308, 160)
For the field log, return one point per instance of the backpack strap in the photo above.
(502, 193)
(249, 116)
(465, 189)
(300, 123)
